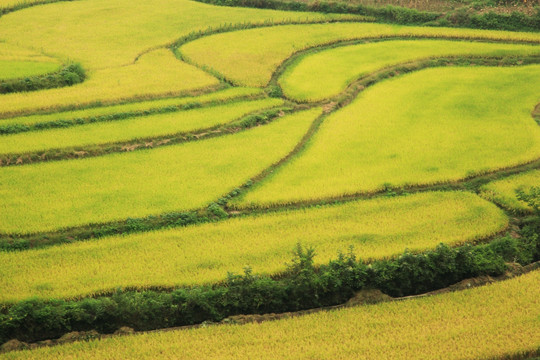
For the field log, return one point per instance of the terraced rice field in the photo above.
(503, 192)
(443, 124)
(496, 320)
(137, 127)
(377, 228)
(209, 140)
(142, 183)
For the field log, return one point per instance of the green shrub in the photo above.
(302, 286)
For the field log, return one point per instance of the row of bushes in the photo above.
(302, 286)
(389, 13)
(515, 21)
(400, 15)
(67, 76)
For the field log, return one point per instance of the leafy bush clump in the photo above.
(302, 286)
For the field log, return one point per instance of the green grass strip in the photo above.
(118, 112)
(13, 69)
(325, 74)
(132, 128)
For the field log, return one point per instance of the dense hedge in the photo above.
(67, 76)
(515, 21)
(303, 286)
(389, 13)
(400, 15)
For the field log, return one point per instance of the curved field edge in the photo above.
(164, 22)
(492, 321)
(346, 135)
(503, 191)
(157, 74)
(202, 254)
(337, 67)
(10, 242)
(130, 129)
(244, 59)
(67, 118)
(49, 196)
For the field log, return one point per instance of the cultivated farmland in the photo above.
(248, 169)
(492, 321)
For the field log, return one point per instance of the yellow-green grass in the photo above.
(503, 191)
(5, 4)
(17, 53)
(21, 69)
(17, 62)
(249, 57)
(491, 321)
(131, 129)
(157, 73)
(201, 254)
(138, 106)
(101, 33)
(432, 126)
(50, 196)
(325, 74)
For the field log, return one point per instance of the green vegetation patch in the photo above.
(202, 254)
(428, 127)
(132, 128)
(250, 57)
(325, 74)
(486, 322)
(67, 193)
(10, 69)
(503, 191)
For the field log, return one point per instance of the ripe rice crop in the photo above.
(503, 191)
(130, 129)
(438, 125)
(157, 73)
(49, 196)
(325, 74)
(139, 106)
(100, 34)
(242, 57)
(492, 321)
(378, 228)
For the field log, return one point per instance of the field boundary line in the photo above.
(242, 319)
(338, 43)
(13, 241)
(6, 130)
(44, 110)
(144, 143)
(350, 93)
